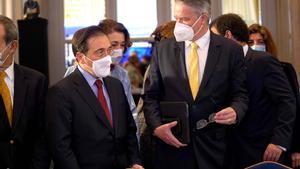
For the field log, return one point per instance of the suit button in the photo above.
(11, 141)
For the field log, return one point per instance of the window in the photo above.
(139, 16)
(82, 13)
(247, 9)
(79, 14)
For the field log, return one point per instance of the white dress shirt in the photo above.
(203, 45)
(245, 49)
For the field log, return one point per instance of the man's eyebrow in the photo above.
(99, 50)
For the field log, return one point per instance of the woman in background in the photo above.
(260, 38)
(120, 41)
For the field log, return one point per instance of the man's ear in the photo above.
(79, 57)
(13, 46)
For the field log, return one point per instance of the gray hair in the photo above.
(200, 6)
(11, 31)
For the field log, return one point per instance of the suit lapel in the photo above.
(85, 91)
(248, 55)
(20, 89)
(212, 60)
(180, 56)
(112, 96)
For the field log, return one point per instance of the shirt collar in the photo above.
(201, 42)
(10, 72)
(88, 77)
(245, 49)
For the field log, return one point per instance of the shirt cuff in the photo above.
(282, 148)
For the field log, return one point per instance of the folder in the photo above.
(177, 111)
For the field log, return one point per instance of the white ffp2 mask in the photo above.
(183, 32)
(259, 47)
(101, 67)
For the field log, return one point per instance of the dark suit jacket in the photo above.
(20, 145)
(223, 85)
(78, 131)
(292, 77)
(271, 110)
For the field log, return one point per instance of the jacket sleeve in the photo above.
(239, 95)
(58, 129)
(152, 90)
(41, 155)
(281, 94)
(292, 77)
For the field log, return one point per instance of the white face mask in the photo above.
(2, 61)
(116, 56)
(101, 67)
(183, 32)
(259, 47)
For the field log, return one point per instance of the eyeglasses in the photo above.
(100, 53)
(203, 122)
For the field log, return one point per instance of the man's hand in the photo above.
(272, 153)
(165, 134)
(136, 166)
(295, 159)
(226, 116)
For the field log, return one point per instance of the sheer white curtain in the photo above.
(295, 20)
(12, 9)
(247, 9)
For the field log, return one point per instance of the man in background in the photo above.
(265, 133)
(22, 101)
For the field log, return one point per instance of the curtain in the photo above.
(295, 33)
(247, 9)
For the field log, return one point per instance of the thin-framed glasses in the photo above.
(100, 53)
(203, 122)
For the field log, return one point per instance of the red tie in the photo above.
(102, 100)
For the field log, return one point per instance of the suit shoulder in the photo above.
(167, 42)
(262, 56)
(63, 84)
(31, 73)
(227, 43)
(113, 81)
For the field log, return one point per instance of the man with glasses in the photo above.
(89, 122)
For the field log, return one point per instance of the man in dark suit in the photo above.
(22, 100)
(89, 122)
(265, 133)
(205, 71)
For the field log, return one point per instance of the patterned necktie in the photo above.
(4, 92)
(103, 102)
(194, 69)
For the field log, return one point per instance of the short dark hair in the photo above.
(81, 37)
(234, 23)
(109, 26)
(11, 31)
